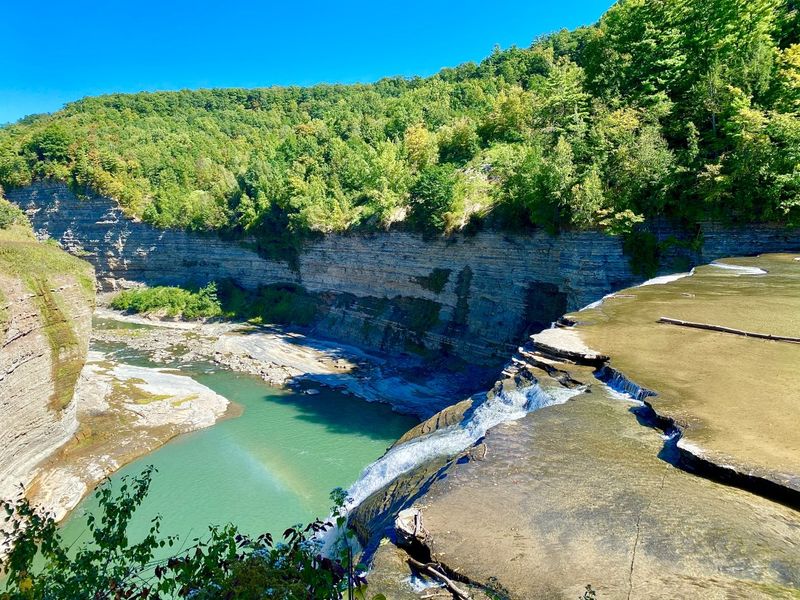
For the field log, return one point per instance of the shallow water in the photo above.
(735, 396)
(270, 468)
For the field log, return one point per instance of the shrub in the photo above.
(173, 301)
(226, 564)
(10, 215)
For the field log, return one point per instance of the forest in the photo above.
(685, 110)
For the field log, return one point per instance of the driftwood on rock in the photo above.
(719, 328)
(432, 570)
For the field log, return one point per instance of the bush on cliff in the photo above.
(685, 109)
(226, 564)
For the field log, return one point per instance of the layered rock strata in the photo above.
(45, 323)
(601, 490)
(472, 296)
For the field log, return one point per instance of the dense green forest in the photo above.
(686, 109)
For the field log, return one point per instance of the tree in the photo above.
(432, 195)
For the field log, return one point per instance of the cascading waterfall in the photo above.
(620, 384)
(505, 406)
(625, 389)
(664, 279)
(660, 280)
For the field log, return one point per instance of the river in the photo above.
(271, 467)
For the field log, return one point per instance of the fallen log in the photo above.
(430, 569)
(741, 332)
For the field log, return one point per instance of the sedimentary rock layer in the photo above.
(474, 296)
(44, 334)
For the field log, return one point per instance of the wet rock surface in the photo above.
(598, 490)
(734, 398)
(576, 494)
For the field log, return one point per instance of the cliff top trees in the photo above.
(666, 107)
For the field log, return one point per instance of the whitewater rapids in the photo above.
(503, 407)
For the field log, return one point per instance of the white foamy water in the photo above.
(739, 269)
(449, 441)
(662, 279)
(506, 406)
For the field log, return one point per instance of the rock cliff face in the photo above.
(45, 322)
(473, 296)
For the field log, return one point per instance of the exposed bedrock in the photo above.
(733, 398)
(44, 334)
(474, 296)
(673, 475)
(579, 493)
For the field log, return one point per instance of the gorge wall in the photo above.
(45, 323)
(473, 296)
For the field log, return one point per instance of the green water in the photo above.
(270, 468)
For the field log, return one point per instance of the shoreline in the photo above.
(106, 439)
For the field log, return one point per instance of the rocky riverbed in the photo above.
(601, 489)
(286, 357)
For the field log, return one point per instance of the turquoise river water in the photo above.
(272, 467)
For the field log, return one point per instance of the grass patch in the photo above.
(189, 398)
(21, 254)
(129, 391)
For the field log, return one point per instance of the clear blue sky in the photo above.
(55, 51)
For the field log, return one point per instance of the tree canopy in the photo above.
(665, 108)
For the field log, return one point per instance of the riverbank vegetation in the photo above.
(684, 109)
(224, 564)
(283, 304)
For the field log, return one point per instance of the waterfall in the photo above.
(739, 269)
(620, 384)
(505, 406)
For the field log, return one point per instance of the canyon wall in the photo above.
(472, 296)
(45, 322)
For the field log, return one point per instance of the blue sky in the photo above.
(53, 52)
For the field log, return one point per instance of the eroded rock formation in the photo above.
(45, 323)
(472, 296)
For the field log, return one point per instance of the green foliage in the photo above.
(678, 108)
(225, 564)
(11, 215)
(432, 196)
(172, 301)
(284, 304)
(643, 252)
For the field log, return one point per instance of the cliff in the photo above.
(46, 303)
(471, 296)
